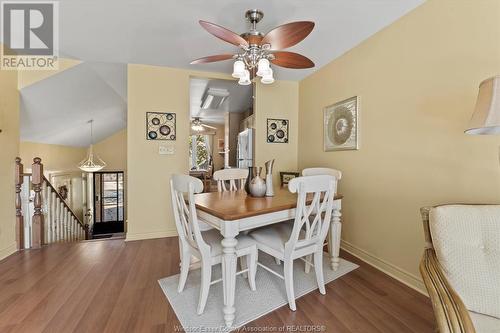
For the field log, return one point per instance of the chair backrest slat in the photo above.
(183, 188)
(233, 176)
(324, 171)
(311, 220)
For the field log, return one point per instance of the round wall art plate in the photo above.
(277, 130)
(160, 126)
(341, 125)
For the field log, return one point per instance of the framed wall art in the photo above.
(286, 176)
(160, 126)
(341, 125)
(277, 130)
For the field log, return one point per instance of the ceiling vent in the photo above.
(213, 98)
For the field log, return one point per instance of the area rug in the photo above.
(250, 305)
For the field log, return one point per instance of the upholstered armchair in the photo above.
(461, 266)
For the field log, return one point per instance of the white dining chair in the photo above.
(206, 246)
(323, 171)
(235, 177)
(306, 235)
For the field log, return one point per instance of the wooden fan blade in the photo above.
(213, 58)
(224, 34)
(287, 35)
(207, 126)
(291, 60)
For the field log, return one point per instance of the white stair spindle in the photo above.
(61, 221)
(54, 218)
(44, 210)
(66, 224)
(57, 207)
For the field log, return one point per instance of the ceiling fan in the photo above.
(198, 126)
(259, 50)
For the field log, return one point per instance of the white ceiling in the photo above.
(167, 33)
(106, 35)
(240, 99)
(56, 110)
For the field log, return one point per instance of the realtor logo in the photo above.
(29, 33)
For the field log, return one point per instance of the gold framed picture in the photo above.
(341, 131)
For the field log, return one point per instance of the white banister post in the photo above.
(48, 199)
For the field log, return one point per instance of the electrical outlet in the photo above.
(166, 149)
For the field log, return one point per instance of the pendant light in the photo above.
(92, 163)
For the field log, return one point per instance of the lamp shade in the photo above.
(238, 69)
(245, 79)
(486, 117)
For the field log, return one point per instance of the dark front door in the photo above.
(108, 202)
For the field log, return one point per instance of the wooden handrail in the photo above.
(64, 202)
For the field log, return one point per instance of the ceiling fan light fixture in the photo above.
(238, 69)
(268, 78)
(257, 50)
(196, 125)
(245, 79)
(263, 67)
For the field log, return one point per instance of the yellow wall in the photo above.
(417, 80)
(279, 101)
(9, 149)
(167, 90)
(59, 158)
(55, 158)
(113, 150)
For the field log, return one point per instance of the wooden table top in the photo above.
(235, 205)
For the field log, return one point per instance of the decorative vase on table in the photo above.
(269, 178)
(251, 174)
(257, 184)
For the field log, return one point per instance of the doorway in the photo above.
(222, 127)
(108, 203)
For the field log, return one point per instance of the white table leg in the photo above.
(335, 230)
(229, 261)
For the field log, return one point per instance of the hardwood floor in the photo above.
(111, 286)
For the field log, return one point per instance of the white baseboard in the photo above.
(399, 274)
(150, 235)
(7, 251)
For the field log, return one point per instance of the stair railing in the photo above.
(53, 219)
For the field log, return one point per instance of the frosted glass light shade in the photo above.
(268, 78)
(238, 69)
(92, 163)
(486, 116)
(263, 68)
(245, 79)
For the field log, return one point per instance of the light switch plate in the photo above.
(166, 149)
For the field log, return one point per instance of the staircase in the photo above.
(53, 221)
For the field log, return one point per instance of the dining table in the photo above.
(233, 212)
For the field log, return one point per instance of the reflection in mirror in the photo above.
(222, 128)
